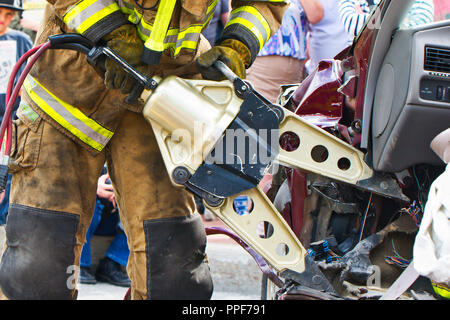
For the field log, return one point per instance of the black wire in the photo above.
(149, 8)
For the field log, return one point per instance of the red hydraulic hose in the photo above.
(16, 68)
(11, 95)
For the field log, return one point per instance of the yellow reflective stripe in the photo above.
(69, 117)
(125, 7)
(192, 45)
(253, 20)
(210, 12)
(133, 16)
(145, 29)
(212, 6)
(163, 16)
(76, 9)
(97, 17)
(252, 28)
(441, 290)
(188, 38)
(175, 39)
(87, 13)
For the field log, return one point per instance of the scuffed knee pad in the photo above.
(39, 254)
(176, 266)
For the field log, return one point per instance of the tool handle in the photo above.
(225, 70)
(135, 93)
(141, 82)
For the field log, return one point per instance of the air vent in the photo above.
(437, 59)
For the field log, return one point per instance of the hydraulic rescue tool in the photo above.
(218, 139)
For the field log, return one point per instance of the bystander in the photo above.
(281, 60)
(112, 267)
(13, 44)
(354, 13)
(327, 37)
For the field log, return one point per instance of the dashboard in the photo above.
(412, 98)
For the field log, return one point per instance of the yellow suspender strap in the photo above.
(155, 43)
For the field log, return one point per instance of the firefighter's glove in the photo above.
(232, 52)
(126, 43)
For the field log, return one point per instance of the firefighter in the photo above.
(73, 119)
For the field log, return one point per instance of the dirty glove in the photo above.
(232, 52)
(126, 43)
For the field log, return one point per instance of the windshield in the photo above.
(366, 11)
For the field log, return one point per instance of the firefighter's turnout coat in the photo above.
(67, 91)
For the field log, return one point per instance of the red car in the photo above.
(389, 96)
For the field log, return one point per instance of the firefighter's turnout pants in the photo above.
(52, 201)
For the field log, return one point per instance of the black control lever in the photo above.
(243, 88)
(143, 80)
(240, 86)
(96, 57)
(225, 70)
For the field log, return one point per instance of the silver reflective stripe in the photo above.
(61, 110)
(89, 11)
(171, 39)
(71, 118)
(188, 37)
(210, 13)
(175, 39)
(254, 20)
(143, 30)
(125, 6)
